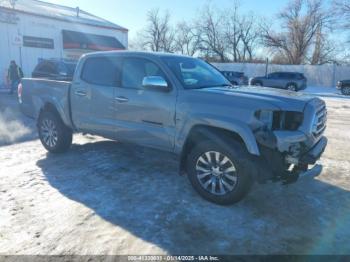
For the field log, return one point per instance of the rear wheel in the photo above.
(291, 87)
(346, 90)
(220, 174)
(55, 136)
(257, 84)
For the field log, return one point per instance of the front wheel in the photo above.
(220, 174)
(55, 136)
(346, 91)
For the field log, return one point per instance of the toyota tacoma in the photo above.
(225, 137)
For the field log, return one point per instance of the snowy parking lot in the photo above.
(104, 197)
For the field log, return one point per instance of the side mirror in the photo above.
(155, 83)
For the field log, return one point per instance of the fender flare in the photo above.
(41, 103)
(237, 127)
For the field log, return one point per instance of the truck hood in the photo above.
(283, 99)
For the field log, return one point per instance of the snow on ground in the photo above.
(325, 92)
(103, 197)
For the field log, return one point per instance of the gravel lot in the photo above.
(104, 197)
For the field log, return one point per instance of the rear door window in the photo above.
(101, 71)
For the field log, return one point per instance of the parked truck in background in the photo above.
(226, 137)
(54, 69)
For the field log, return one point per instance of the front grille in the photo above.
(320, 120)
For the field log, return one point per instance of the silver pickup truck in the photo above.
(226, 137)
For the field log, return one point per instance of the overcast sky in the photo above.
(132, 13)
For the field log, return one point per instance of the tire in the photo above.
(234, 83)
(54, 135)
(292, 87)
(345, 90)
(238, 172)
(257, 84)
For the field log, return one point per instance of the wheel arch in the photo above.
(202, 132)
(51, 107)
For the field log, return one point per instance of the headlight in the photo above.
(266, 117)
(280, 120)
(292, 120)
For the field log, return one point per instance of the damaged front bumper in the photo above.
(301, 169)
(314, 153)
(290, 157)
(299, 149)
(287, 153)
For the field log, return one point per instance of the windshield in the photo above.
(195, 73)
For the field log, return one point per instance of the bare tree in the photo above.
(300, 22)
(158, 34)
(342, 10)
(233, 32)
(215, 34)
(187, 41)
(210, 30)
(324, 50)
(250, 36)
(241, 34)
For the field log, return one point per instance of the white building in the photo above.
(31, 30)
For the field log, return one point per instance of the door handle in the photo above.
(80, 93)
(121, 99)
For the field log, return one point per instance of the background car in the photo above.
(236, 78)
(55, 69)
(344, 86)
(292, 81)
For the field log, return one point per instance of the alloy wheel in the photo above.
(346, 91)
(49, 132)
(291, 88)
(216, 173)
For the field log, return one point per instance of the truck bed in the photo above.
(37, 93)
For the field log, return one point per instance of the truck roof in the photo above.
(126, 52)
